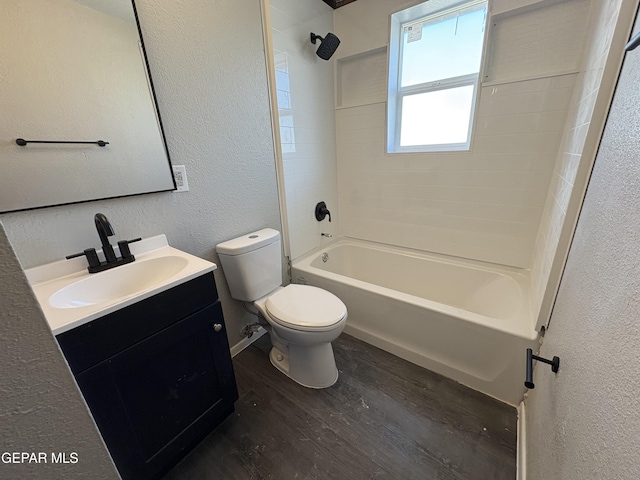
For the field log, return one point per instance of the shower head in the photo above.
(328, 45)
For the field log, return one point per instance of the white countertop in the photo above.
(48, 279)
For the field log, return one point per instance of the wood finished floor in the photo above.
(385, 418)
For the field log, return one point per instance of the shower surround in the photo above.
(305, 122)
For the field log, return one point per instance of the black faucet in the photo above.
(105, 230)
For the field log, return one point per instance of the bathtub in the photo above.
(469, 321)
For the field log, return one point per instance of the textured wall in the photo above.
(208, 67)
(304, 84)
(583, 423)
(41, 409)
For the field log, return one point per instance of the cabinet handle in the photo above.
(217, 327)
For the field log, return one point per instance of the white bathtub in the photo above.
(469, 321)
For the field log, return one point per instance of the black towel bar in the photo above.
(22, 142)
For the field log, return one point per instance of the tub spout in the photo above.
(324, 234)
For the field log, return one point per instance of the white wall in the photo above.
(305, 98)
(485, 204)
(609, 24)
(208, 66)
(40, 405)
(583, 423)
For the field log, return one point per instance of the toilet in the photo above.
(303, 320)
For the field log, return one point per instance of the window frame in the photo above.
(396, 93)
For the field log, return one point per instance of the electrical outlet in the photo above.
(180, 174)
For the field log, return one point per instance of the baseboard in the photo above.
(245, 342)
(521, 456)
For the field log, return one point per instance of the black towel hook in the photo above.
(555, 366)
(633, 43)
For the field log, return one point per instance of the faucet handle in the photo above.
(123, 245)
(90, 253)
(322, 211)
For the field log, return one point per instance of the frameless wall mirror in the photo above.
(76, 71)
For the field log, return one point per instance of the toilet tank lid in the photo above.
(249, 242)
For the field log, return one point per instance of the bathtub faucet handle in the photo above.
(322, 211)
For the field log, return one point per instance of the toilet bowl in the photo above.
(303, 320)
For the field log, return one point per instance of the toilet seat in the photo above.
(307, 308)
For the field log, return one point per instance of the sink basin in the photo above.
(119, 282)
(70, 296)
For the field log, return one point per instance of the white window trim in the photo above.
(395, 94)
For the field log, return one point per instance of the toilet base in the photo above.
(310, 366)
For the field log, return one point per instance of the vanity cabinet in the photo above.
(157, 375)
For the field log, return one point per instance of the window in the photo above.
(434, 63)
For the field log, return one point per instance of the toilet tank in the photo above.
(252, 264)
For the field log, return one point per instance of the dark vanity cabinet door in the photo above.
(155, 400)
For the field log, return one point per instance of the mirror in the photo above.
(76, 70)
